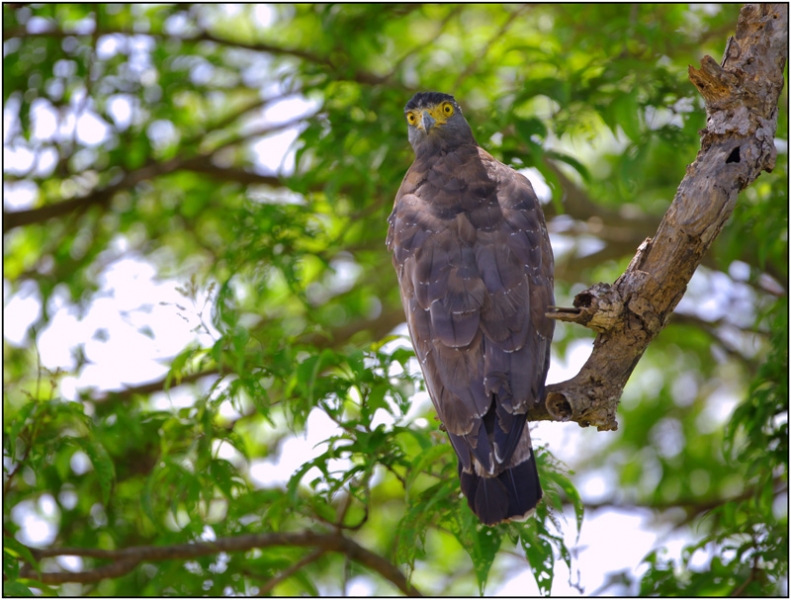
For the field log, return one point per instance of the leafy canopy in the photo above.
(143, 131)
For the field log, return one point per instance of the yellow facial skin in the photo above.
(438, 114)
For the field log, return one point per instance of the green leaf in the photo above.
(19, 551)
(428, 457)
(223, 476)
(480, 541)
(102, 465)
(17, 589)
(570, 160)
(422, 438)
(551, 476)
(18, 424)
(147, 498)
(539, 553)
(527, 128)
(178, 366)
(320, 462)
(551, 87)
(624, 110)
(426, 510)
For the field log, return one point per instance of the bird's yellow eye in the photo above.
(447, 108)
(411, 118)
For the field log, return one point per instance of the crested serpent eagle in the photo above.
(475, 267)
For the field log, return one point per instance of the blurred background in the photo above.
(203, 335)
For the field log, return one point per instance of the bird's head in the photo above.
(436, 123)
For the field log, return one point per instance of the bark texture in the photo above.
(741, 96)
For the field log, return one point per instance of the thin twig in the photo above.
(440, 28)
(289, 571)
(754, 572)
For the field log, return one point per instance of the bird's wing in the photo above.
(472, 254)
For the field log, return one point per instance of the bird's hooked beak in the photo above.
(427, 121)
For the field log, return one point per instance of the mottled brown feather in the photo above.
(475, 266)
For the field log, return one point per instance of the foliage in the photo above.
(284, 278)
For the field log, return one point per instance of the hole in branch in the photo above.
(558, 406)
(734, 156)
(583, 300)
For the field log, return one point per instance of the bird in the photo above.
(472, 254)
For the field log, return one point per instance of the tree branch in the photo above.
(741, 99)
(692, 507)
(127, 559)
(358, 75)
(101, 197)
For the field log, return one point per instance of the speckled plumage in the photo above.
(474, 262)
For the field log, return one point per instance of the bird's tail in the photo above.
(511, 495)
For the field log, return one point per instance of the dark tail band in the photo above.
(511, 495)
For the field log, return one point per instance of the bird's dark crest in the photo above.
(427, 99)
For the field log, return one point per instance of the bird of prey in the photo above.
(475, 268)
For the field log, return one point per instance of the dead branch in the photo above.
(741, 97)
